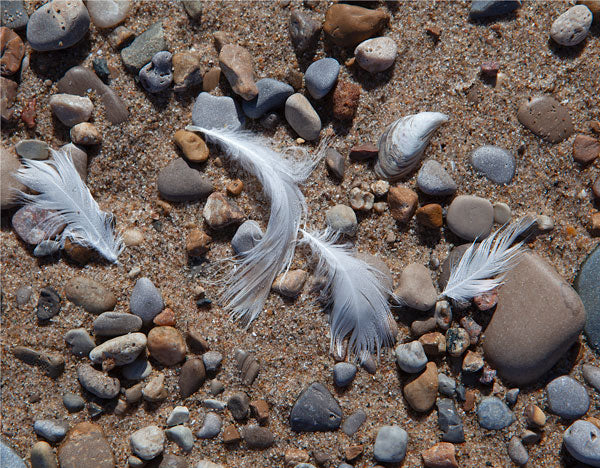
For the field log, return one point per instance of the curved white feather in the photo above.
(356, 293)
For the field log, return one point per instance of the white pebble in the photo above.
(108, 13)
(148, 442)
(71, 109)
(572, 26)
(376, 55)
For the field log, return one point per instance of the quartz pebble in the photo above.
(79, 341)
(320, 77)
(166, 345)
(582, 440)
(496, 163)
(191, 377)
(572, 26)
(86, 447)
(156, 76)
(246, 237)
(219, 211)
(315, 410)
(416, 288)
(41, 456)
(402, 202)
(144, 47)
(348, 25)
(302, 117)
(58, 24)
(53, 430)
(237, 65)
(304, 30)
(547, 118)
(421, 392)
(97, 383)
(272, 94)
(410, 357)
(85, 133)
(346, 96)
(361, 200)
(146, 301)
(94, 297)
(470, 217)
(376, 55)
(390, 444)
(33, 149)
(116, 323)
(179, 182)
(567, 398)
(108, 13)
(517, 452)
(148, 442)
(493, 414)
(343, 374)
(71, 109)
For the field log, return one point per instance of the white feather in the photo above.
(60, 189)
(480, 269)
(251, 281)
(357, 295)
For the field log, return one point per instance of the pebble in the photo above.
(582, 440)
(10, 164)
(211, 426)
(120, 350)
(133, 238)
(472, 327)
(216, 387)
(517, 451)
(182, 436)
(81, 80)
(85, 133)
(41, 456)
(343, 374)
(28, 114)
(94, 297)
(212, 361)
(502, 213)
(197, 243)
(52, 365)
(363, 152)
(511, 396)
(342, 218)
(567, 398)
(272, 94)
(586, 284)
(154, 391)
(187, 70)
(80, 342)
(449, 421)
(97, 383)
(302, 117)
(58, 24)
(430, 216)
(493, 414)
(211, 79)
(138, 369)
(376, 55)
(78, 157)
(246, 237)
(585, 149)
(156, 75)
(547, 118)
(257, 437)
(23, 295)
(169, 460)
(145, 301)
(179, 182)
(238, 67)
(71, 109)
(191, 377)
(348, 25)
(148, 442)
(421, 392)
(320, 77)
(48, 304)
(13, 50)
(490, 8)
(497, 164)
(346, 96)
(14, 16)
(403, 203)
(166, 345)
(260, 410)
(7, 98)
(335, 163)
(470, 217)
(572, 27)
(457, 341)
(194, 9)
(416, 288)
(304, 30)
(433, 179)
(446, 385)
(86, 447)
(390, 444)
(472, 362)
(441, 455)
(144, 47)
(361, 200)
(247, 365)
(120, 37)
(53, 430)
(33, 149)
(591, 375)
(213, 404)
(353, 422)
(219, 211)
(239, 406)
(116, 323)
(179, 415)
(411, 357)
(434, 344)
(315, 410)
(522, 347)
(529, 437)
(534, 416)
(290, 283)
(73, 403)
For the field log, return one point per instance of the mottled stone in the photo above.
(85, 133)
(238, 66)
(411, 357)
(434, 180)
(416, 288)
(497, 164)
(304, 30)
(402, 202)
(97, 382)
(390, 444)
(166, 345)
(582, 440)
(58, 24)
(257, 437)
(89, 294)
(441, 455)
(187, 70)
(148, 442)
(567, 398)
(156, 75)
(302, 117)
(493, 414)
(320, 77)
(572, 26)
(86, 447)
(376, 55)
(219, 211)
(143, 48)
(12, 48)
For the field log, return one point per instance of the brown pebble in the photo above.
(322, 457)
(86, 447)
(352, 452)
(430, 216)
(596, 187)
(187, 71)
(196, 342)
(472, 362)
(345, 100)
(166, 345)
(487, 300)
(421, 327)
(434, 344)
(8, 94)
(294, 78)
(134, 394)
(12, 49)
(290, 283)
(348, 25)
(235, 187)
(402, 202)
(165, 319)
(422, 391)
(585, 149)
(220, 212)
(120, 37)
(238, 67)
(192, 145)
(30, 224)
(260, 410)
(28, 114)
(490, 69)
(547, 118)
(364, 152)
(470, 398)
(52, 365)
(211, 79)
(293, 456)
(191, 377)
(258, 437)
(221, 38)
(434, 31)
(595, 224)
(77, 252)
(85, 133)
(231, 435)
(535, 416)
(197, 243)
(441, 455)
(155, 391)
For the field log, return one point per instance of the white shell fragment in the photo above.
(376, 55)
(403, 142)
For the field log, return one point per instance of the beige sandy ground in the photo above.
(290, 338)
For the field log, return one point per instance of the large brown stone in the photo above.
(538, 317)
(348, 25)
(421, 392)
(86, 447)
(547, 118)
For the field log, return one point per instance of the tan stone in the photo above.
(430, 216)
(197, 243)
(186, 70)
(348, 25)
(293, 456)
(260, 410)
(211, 79)
(402, 202)
(166, 345)
(192, 145)
(535, 416)
(238, 67)
(434, 343)
(290, 283)
(422, 391)
(85, 133)
(441, 455)
(86, 447)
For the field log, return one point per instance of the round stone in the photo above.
(433, 179)
(517, 451)
(52, 430)
(217, 112)
(302, 117)
(73, 403)
(108, 13)
(211, 426)
(71, 109)
(342, 218)
(246, 237)
(85, 133)
(470, 217)
(493, 414)
(567, 398)
(272, 94)
(57, 25)
(166, 345)
(30, 224)
(582, 440)
(586, 284)
(89, 294)
(146, 301)
(390, 444)
(148, 442)
(411, 357)
(376, 55)
(416, 288)
(572, 26)
(502, 213)
(343, 374)
(320, 76)
(42, 456)
(496, 163)
(156, 76)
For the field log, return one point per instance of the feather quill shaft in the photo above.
(251, 281)
(480, 269)
(357, 296)
(60, 189)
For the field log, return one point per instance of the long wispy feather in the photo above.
(356, 293)
(481, 268)
(60, 189)
(249, 285)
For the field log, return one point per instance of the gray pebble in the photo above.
(411, 357)
(567, 398)
(343, 374)
(179, 181)
(302, 117)
(53, 365)
(246, 237)
(8, 457)
(13, 15)
(270, 121)
(353, 422)
(239, 406)
(48, 304)
(194, 9)
(144, 47)
(212, 361)
(304, 30)
(79, 341)
(71, 109)
(179, 415)
(215, 387)
(138, 369)
(42, 456)
(217, 405)
(390, 444)
(52, 430)
(582, 440)
(116, 323)
(446, 385)
(79, 158)
(211, 426)
(23, 295)
(97, 382)
(257, 437)
(450, 422)
(156, 76)
(148, 442)
(335, 163)
(146, 301)
(491, 8)
(33, 149)
(315, 410)
(591, 374)
(517, 452)
(470, 217)
(73, 403)
(343, 465)
(497, 164)
(572, 26)
(120, 350)
(57, 25)
(217, 112)
(502, 213)
(493, 414)
(511, 396)
(182, 436)
(342, 218)
(320, 76)
(272, 94)
(434, 180)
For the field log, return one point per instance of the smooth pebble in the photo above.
(582, 440)
(497, 164)
(57, 25)
(390, 444)
(211, 426)
(320, 76)
(272, 94)
(182, 436)
(156, 76)
(411, 357)
(108, 13)
(376, 55)
(146, 301)
(302, 117)
(343, 374)
(567, 398)
(470, 217)
(342, 218)
(493, 414)
(71, 109)
(148, 442)
(433, 179)
(217, 112)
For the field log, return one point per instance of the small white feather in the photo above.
(60, 189)
(480, 269)
(249, 285)
(356, 293)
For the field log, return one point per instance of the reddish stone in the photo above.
(402, 202)
(231, 435)
(490, 69)
(470, 398)
(585, 149)
(12, 49)
(430, 216)
(8, 93)
(28, 114)
(363, 152)
(441, 455)
(345, 100)
(165, 318)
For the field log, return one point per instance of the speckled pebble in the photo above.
(376, 55)
(493, 414)
(315, 410)
(156, 75)
(320, 76)
(302, 117)
(148, 442)
(73, 403)
(547, 118)
(97, 382)
(212, 361)
(211, 427)
(116, 323)
(57, 25)
(85, 133)
(13, 15)
(433, 179)
(572, 26)
(497, 164)
(120, 350)
(80, 342)
(411, 357)
(517, 451)
(343, 374)
(166, 345)
(53, 430)
(33, 149)
(143, 48)
(353, 422)
(582, 440)
(567, 398)
(390, 444)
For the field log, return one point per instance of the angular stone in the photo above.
(220, 212)
(348, 25)
(416, 288)
(390, 444)
(217, 112)
(403, 203)
(238, 66)
(143, 48)
(187, 70)
(304, 30)
(430, 216)
(80, 342)
(179, 181)
(272, 94)
(86, 447)
(547, 118)
(315, 410)
(353, 422)
(13, 50)
(585, 149)
(191, 377)
(335, 163)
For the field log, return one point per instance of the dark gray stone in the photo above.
(48, 304)
(57, 25)
(80, 341)
(144, 47)
(586, 284)
(496, 163)
(567, 398)
(73, 403)
(511, 396)
(146, 301)
(315, 410)
(217, 112)
(156, 76)
(491, 8)
(493, 414)
(239, 406)
(179, 182)
(13, 14)
(116, 324)
(582, 440)
(390, 444)
(353, 422)
(517, 451)
(247, 236)
(450, 422)
(212, 360)
(53, 365)
(98, 383)
(304, 30)
(343, 374)
(446, 385)
(272, 94)
(320, 76)
(433, 179)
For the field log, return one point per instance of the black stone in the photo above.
(491, 8)
(48, 304)
(101, 68)
(449, 421)
(315, 410)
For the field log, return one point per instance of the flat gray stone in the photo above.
(144, 47)
(79, 341)
(470, 217)
(567, 398)
(146, 301)
(8, 457)
(272, 94)
(342, 218)
(433, 179)
(450, 422)
(390, 444)
(53, 430)
(246, 237)
(491, 8)
(582, 440)
(353, 422)
(33, 149)
(302, 117)
(320, 76)
(182, 436)
(315, 410)
(211, 427)
(180, 182)
(416, 288)
(217, 112)
(116, 323)
(493, 414)
(57, 25)
(496, 163)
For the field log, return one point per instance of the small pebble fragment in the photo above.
(449, 421)
(430, 216)
(182, 436)
(73, 403)
(13, 49)
(94, 297)
(212, 361)
(187, 70)
(247, 365)
(272, 94)
(154, 391)
(138, 369)
(145, 301)
(80, 342)
(361, 200)
(446, 385)
(491, 8)
(48, 305)
(85, 133)
(457, 341)
(239, 406)
(343, 374)
(219, 211)
(591, 375)
(120, 350)
(353, 422)
(585, 149)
